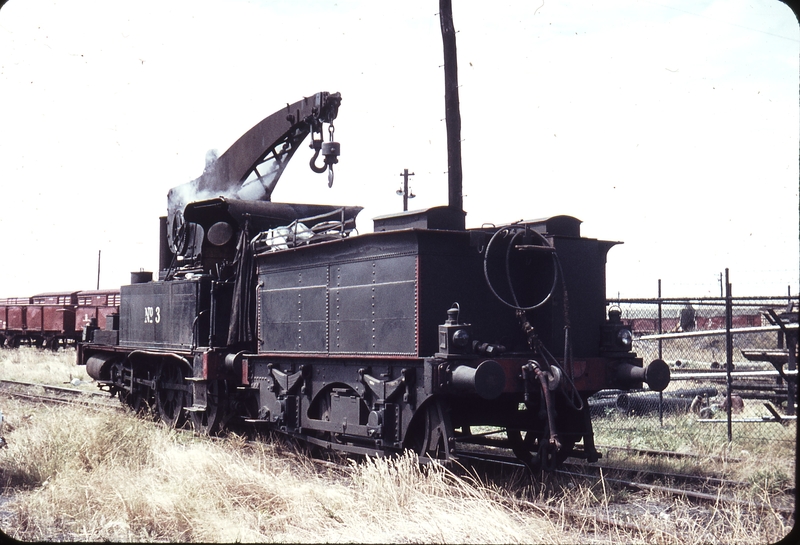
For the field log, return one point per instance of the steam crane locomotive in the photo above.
(408, 337)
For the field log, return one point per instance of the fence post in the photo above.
(789, 308)
(729, 351)
(660, 394)
(791, 385)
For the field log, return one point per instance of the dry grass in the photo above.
(69, 474)
(102, 477)
(758, 452)
(28, 364)
(653, 516)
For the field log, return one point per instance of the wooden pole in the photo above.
(452, 111)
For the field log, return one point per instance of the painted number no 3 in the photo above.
(152, 315)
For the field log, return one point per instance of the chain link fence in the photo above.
(734, 380)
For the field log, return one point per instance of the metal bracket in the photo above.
(285, 382)
(791, 341)
(385, 390)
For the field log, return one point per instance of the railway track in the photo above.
(600, 520)
(45, 393)
(702, 489)
(651, 504)
(605, 517)
(665, 453)
(656, 509)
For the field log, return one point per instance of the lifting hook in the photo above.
(329, 150)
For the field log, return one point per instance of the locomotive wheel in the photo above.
(136, 401)
(172, 395)
(535, 452)
(430, 433)
(524, 448)
(136, 396)
(209, 422)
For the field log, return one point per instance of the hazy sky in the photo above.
(671, 125)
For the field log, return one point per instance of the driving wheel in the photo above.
(172, 395)
(209, 421)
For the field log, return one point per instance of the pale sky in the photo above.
(671, 125)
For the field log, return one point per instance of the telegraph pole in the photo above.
(451, 105)
(404, 191)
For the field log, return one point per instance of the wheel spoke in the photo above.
(527, 449)
(171, 395)
(431, 434)
(134, 395)
(537, 452)
(209, 421)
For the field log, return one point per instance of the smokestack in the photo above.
(452, 112)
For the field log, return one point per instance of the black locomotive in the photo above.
(409, 337)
